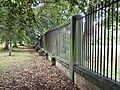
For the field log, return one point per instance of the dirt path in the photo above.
(36, 74)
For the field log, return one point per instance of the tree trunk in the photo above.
(15, 44)
(10, 48)
(6, 45)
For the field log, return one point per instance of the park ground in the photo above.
(26, 70)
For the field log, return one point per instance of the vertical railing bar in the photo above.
(82, 43)
(47, 48)
(88, 40)
(66, 33)
(98, 44)
(52, 43)
(57, 46)
(108, 40)
(49, 43)
(69, 45)
(50, 47)
(101, 41)
(64, 43)
(116, 42)
(46, 41)
(104, 41)
(112, 42)
(93, 42)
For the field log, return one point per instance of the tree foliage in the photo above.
(17, 20)
(23, 20)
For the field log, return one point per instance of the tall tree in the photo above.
(15, 13)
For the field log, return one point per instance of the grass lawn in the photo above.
(20, 56)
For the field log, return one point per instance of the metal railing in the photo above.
(57, 41)
(101, 40)
(93, 40)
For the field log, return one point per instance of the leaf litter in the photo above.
(37, 74)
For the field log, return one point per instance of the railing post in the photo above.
(72, 47)
(76, 37)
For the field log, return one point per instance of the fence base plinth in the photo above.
(46, 56)
(53, 61)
